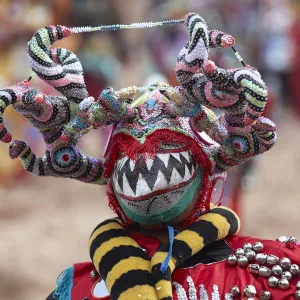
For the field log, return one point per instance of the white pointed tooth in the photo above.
(177, 156)
(131, 164)
(187, 174)
(149, 163)
(164, 157)
(142, 187)
(127, 191)
(186, 155)
(121, 162)
(175, 178)
(161, 182)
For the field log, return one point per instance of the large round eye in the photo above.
(217, 190)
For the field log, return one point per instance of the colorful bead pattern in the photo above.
(241, 131)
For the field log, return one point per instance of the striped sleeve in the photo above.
(123, 265)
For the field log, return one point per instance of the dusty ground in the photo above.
(45, 224)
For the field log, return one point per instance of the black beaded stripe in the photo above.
(79, 164)
(192, 25)
(58, 55)
(39, 60)
(41, 167)
(26, 154)
(251, 116)
(5, 100)
(104, 237)
(230, 217)
(117, 254)
(1, 109)
(87, 171)
(50, 34)
(113, 220)
(12, 95)
(256, 108)
(256, 143)
(40, 43)
(71, 61)
(256, 96)
(67, 112)
(31, 164)
(29, 96)
(159, 275)
(167, 298)
(54, 137)
(57, 76)
(3, 132)
(50, 165)
(129, 280)
(249, 78)
(238, 125)
(263, 136)
(66, 55)
(70, 86)
(99, 174)
(219, 38)
(59, 32)
(76, 99)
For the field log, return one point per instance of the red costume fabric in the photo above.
(214, 277)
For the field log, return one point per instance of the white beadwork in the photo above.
(215, 294)
(192, 289)
(181, 294)
(192, 292)
(203, 293)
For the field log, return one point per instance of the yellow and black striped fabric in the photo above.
(121, 262)
(215, 225)
(129, 273)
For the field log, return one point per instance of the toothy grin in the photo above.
(152, 176)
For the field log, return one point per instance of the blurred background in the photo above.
(45, 222)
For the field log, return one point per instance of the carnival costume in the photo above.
(168, 154)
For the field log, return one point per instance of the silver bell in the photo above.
(239, 252)
(261, 258)
(235, 291)
(294, 269)
(258, 247)
(291, 242)
(231, 260)
(253, 269)
(264, 271)
(264, 295)
(272, 260)
(94, 274)
(242, 261)
(277, 270)
(247, 246)
(272, 281)
(287, 275)
(250, 291)
(285, 263)
(283, 284)
(250, 254)
(297, 295)
(298, 285)
(282, 239)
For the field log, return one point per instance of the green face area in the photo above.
(164, 207)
